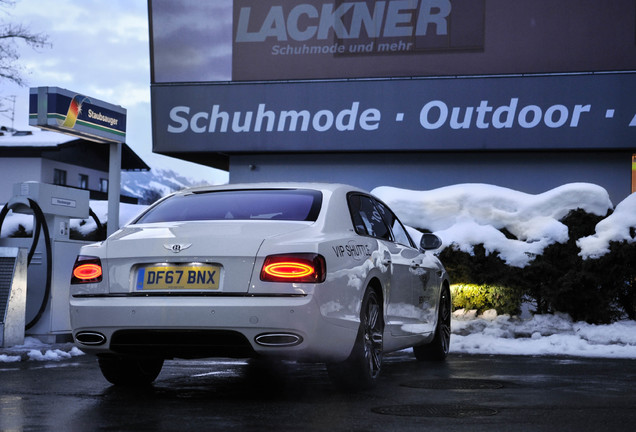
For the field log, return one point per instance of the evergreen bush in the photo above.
(504, 300)
(594, 290)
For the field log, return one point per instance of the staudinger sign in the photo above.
(75, 114)
(588, 111)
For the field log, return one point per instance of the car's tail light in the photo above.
(87, 269)
(298, 268)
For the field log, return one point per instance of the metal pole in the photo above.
(114, 187)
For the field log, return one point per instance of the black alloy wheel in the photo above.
(362, 369)
(438, 348)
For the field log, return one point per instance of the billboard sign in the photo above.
(498, 113)
(243, 76)
(256, 40)
(342, 39)
(75, 114)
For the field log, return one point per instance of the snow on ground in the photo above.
(543, 335)
(35, 350)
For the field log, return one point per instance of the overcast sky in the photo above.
(100, 49)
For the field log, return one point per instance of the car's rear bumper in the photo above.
(218, 326)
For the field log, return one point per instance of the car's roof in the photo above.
(331, 187)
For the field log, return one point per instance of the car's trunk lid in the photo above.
(225, 250)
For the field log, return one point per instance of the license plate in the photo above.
(182, 277)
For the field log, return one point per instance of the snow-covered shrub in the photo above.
(598, 290)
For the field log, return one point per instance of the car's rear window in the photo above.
(275, 204)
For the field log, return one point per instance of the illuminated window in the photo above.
(103, 185)
(59, 177)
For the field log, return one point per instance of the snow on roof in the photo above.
(32, 137)
(469, 214)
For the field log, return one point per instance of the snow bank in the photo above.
(35, 350)
(544, 335)
(616, 228)
(4, 358)
(54, 354)
(465, 215)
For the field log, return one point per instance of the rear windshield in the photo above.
(280, 204)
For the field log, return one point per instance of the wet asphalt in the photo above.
(466, 393)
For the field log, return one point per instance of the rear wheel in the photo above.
(130, 371)
(438, 348)
(361, 370)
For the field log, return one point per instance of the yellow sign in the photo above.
(179, 277)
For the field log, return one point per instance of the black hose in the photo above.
(36, 239)
(37, 211)
(101, 232)
(3, 213)
(41, 224)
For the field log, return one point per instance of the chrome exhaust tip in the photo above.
(278, 339)
(90, 338)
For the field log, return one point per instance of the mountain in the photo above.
(148, 186)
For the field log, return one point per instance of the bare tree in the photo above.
(12, 35)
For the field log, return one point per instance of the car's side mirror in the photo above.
(430, 241)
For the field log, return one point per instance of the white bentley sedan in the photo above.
(310, 272)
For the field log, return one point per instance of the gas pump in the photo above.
(51, 253)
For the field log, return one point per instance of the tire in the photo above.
(438, 348)
(130, 371)
(363, 366)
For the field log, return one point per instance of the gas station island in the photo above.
(35, 270)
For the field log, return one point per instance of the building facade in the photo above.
(59, 159)
(417, 94)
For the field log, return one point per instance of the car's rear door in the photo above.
(423, 276)
(398, 259)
